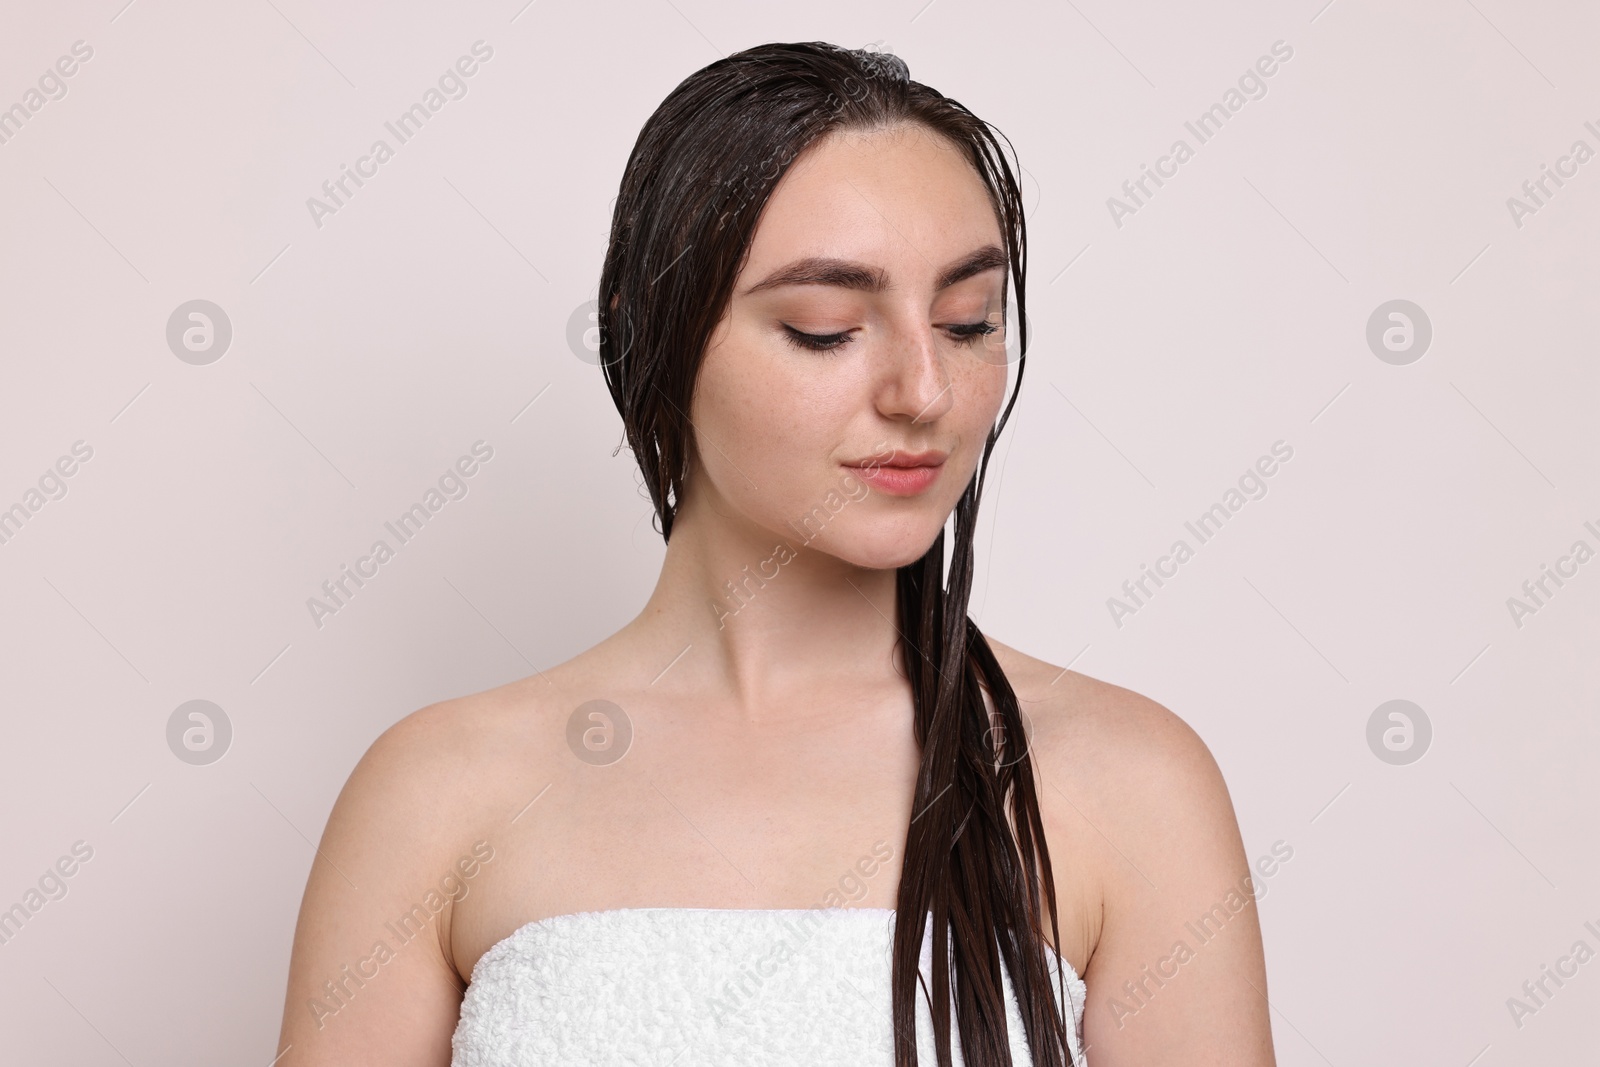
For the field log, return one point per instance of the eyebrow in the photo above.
(848, 274)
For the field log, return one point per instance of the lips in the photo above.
(901, 473)
(897, 458)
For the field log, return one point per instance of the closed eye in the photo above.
(816, 342)
(971, 331)
(965, 333)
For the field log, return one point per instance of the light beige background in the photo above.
(1169, 353)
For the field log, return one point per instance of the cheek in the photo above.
(760, 420)
(986, 386)
(983, 394)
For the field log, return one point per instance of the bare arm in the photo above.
(1178, 973)
(370, 981)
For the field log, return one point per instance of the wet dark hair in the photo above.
(699, 175)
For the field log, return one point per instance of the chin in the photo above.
(885, 548)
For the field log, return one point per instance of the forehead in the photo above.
(904, 198)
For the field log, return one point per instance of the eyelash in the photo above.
(967, 333)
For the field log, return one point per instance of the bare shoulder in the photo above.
(1124, 784)
(1135, 809)
(458, 771)
(410, 828)
(1119, 743)
(464, 730)
(454, 763)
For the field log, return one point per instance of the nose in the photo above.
(917, 383)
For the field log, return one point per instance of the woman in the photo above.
(694, 843)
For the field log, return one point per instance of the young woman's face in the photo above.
(868, 318)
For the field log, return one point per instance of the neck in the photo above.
(752, 621)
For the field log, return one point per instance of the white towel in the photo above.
(705, 987)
